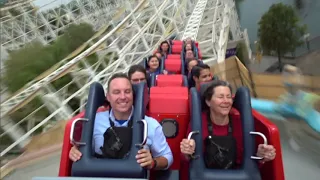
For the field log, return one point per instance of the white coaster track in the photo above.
(147, 24)
(23, 21)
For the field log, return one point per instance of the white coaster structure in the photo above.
(22, 21)
(146, 24)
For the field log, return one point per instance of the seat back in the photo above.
(171, 80)
(195, 50)
(273, 169)
(176, 48)
(169, 105)
(176, 42)
(174, 56)
(249, 169)
(90, 166)
(65, 162)
(152, 81)
(173, 65)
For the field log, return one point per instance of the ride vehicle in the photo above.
(174, 106)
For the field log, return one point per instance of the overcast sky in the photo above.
(48, 4)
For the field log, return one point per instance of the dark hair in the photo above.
(164, 42)
(188, 60)
(197, 69)
(207, 91)
(136, 68)
(153, 56)
(185, 45)
(116, 76)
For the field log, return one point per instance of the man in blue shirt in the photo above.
(157, 154)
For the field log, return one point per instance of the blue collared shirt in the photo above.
(156, 140)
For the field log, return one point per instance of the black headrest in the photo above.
(185, 81)
(145, 63)
(183, 66)
(141, 98)
(249, 169)
(204, 86)
(152, 81)
(90, 166)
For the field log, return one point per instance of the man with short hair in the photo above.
(157, 155)
(200, 74)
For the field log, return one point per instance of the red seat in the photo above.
(176, 49)
(171, 104)
(273, 169)
(199, 54)
(168, 90)
(65, 162)
(174, 56)
(177, 42)
(169, 80)
(173, 65)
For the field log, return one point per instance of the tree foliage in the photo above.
(242, 53)
(279, 30)
(27, 63)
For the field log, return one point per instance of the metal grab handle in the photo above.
(145, 134)
(192, 133)
(193, 156)
(74, 142)
(265, 141)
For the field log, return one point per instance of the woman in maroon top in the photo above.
(222, 131)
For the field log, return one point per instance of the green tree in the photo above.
(30, 61)
(279, 30)
(27, 63)
(242, 53)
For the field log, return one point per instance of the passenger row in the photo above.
(168, 60)
(171, 54)
(207, 108)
